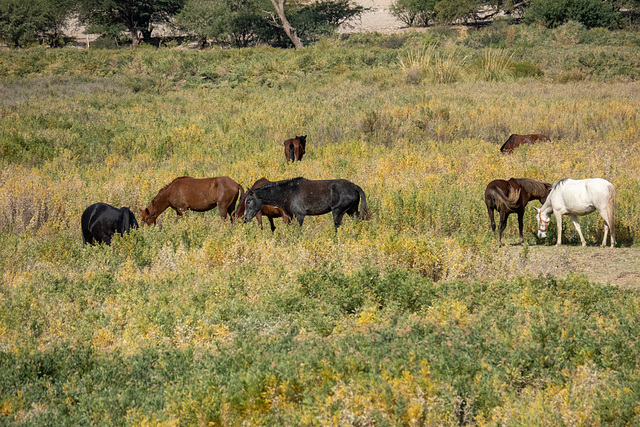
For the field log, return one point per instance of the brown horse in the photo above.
(267, 210)
(196, 194)
(295, 148)
(512, 196)
(516, 141)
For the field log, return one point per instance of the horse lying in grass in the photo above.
(576, 198)
(196, 194)
(267, 210)
(512, 196)
(300, 197)
(100, 221)
(516, 141)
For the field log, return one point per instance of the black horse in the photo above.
(101, 221)
(300, 197)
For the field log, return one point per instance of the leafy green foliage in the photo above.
(25, 22)
(137, 16)
(249, 22)
(591, 13)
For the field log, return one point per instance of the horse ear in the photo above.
(537, 209)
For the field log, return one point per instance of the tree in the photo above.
(236, 22)
(416, 13)
(285, 25)
(23, 22)
(136, 16)
(247, 22)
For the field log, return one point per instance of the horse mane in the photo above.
(294, 181)
(559, 183)
(533, 187)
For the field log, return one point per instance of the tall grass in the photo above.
(412, 317)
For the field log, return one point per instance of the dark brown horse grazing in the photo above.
(196, 194)
(267, 210)
(300, 197)
(512, 196)
(295, 148)
(515, 141)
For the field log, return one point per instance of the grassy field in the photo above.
(413, 317)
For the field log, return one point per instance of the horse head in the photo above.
(148, 215)
(543, 223)
(303, 141)
(251, 205)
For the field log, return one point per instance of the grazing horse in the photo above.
(512, 196)
(100, 221)
(515, 141)
(576, 198)
(267, 210)
(300, 197)
(196, 194)
(295, 148)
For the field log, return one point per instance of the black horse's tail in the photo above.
(364, 212)
(292, 152)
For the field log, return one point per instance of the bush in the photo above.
(590, 13)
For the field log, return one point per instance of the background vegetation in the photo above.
(412, 317)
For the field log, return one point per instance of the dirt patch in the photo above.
(618, 266)
(377, 18)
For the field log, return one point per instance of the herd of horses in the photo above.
(301, 197)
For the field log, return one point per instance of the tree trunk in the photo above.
(135, 37)
(286, 26)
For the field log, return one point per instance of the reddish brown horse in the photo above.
(512, 196)
(196, 194)
(516, 141)
(267, 210)
(295, 148)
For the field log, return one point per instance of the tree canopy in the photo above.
(137, 17)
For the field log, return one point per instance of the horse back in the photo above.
(516, 141)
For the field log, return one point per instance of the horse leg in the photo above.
(300, 219)
(504, 216)
(491, 219)
(259, 218)
(559, 225)
(608, 226)
(273, 226)
(337, 218)
(577, 226)
(521, 225)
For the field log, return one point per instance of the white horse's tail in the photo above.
(611, 207)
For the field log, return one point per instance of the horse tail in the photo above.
(239, 199)
(292, 152)
(504, 203)
(611, 207)
(364, 212)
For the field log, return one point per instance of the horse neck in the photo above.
(270, 196)
(160, 203)
(547, 206)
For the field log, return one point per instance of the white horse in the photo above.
(579, 197)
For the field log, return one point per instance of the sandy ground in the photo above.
(376, 18)
(617, 266)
